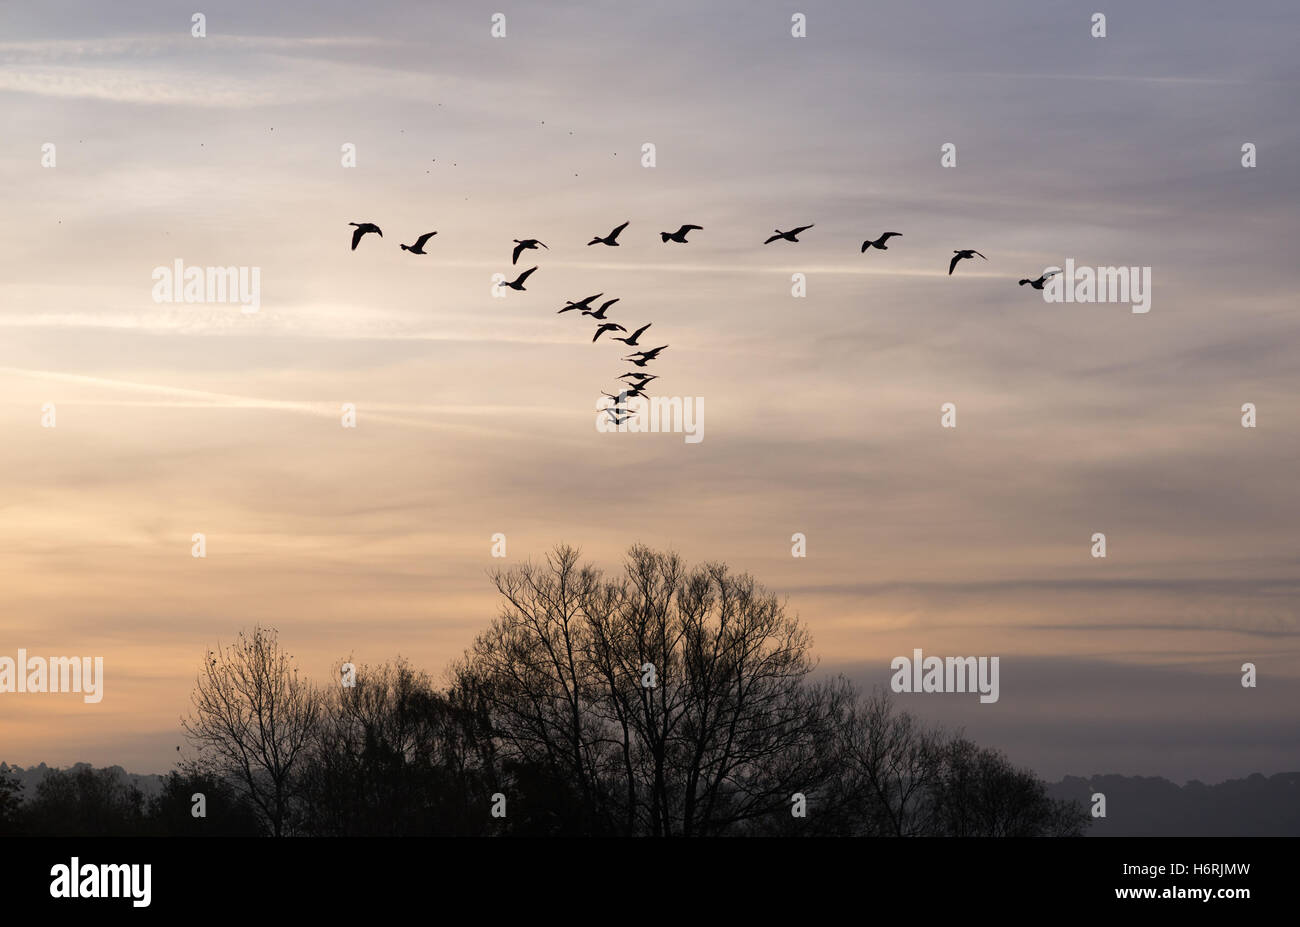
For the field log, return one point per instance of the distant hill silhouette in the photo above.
(31, 777)
(1150, 806)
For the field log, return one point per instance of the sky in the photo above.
(475, 414)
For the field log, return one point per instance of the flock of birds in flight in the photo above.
(637, 382)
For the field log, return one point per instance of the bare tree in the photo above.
(529, 671)
(674, 699)
(979, 793)
(893, 764)
(901, 778)
(253, 721)
(395, 755)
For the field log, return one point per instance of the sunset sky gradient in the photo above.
(822, 413)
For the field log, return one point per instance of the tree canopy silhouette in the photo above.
(669, 700)
(659, 700)
(253, 722)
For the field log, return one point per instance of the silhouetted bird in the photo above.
(679, 236)
(611, 239)
(632, 392)
(608, 327)
(643, 377)
(630, 341)
(970, 253)
(880, 242)
(599, 313)
(418, 247)
(363, 228)
(1038, 284)
(581, 304)
(518, 282)
(523, 244)
(617, 420)
(788, 236)
(641, 358)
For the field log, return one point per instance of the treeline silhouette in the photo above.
(88, 802)
(664, 701)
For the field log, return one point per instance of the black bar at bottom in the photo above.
(374, 877)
